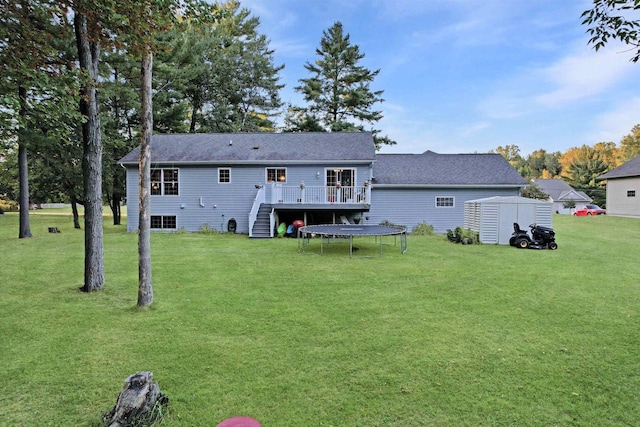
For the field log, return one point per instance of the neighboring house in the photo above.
(561, 194)
(251, 182)
(623, 189)
(433, 188)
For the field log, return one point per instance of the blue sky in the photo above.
(462, 76)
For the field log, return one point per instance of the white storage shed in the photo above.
(492, 218)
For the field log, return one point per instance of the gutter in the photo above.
(374, 186)
(254, 162)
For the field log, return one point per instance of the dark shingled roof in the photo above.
(258, 147)
(628, 169)
(559, 190)
(431, 168)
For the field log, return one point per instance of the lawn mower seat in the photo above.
(517, 229)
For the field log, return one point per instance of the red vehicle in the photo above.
(589, 210)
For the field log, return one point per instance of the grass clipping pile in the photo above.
(140, 403)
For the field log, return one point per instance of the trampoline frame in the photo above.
(329, 231)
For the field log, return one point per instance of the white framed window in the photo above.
(344, 177)
(166, 222)
(224, 175)
(164, 182)
(277, 175)
(631, 193)
(445, 201)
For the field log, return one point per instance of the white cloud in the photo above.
(473, 129)
(582, 75)
(615, 124)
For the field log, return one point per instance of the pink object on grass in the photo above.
(239, 422)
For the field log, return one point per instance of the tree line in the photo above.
(213, 72)
(578, 166)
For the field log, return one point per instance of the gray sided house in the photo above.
(252, 182)
(412, 188)
(623, 189)
(562, 194)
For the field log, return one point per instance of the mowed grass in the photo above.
(444, 335)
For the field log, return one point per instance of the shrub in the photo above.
(463, 235)
(387, 223)
(7, 205)
(423, 229)
(205, 229)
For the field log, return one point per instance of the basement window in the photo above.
(159, 222)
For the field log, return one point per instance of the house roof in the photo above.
(258, 148)
(430, 168)
(628, 169)
(559, 191)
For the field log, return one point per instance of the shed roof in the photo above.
(510, 200)
(430, 168)
(626, 170)
(258, 147)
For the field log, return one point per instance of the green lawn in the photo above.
(444, 335)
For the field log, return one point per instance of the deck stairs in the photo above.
(261, 226)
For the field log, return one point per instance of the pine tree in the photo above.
(339, 94)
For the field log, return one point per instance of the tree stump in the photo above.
(139, 401)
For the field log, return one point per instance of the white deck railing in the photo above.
(320, 194)
(257, 201)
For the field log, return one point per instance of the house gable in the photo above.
(559, 191)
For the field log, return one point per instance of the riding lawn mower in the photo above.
(541, 237)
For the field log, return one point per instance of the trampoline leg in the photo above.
(350, 246)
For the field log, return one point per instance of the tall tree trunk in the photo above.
(145, 289)
(89, 53)
(23, 172)
(194, 115)
(74, 209)
(114, 204)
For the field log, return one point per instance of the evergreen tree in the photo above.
(338, 93)
(37, 85)
(120, 105)
(218, 74)
(534, 192)
(586, 166)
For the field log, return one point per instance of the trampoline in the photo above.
(328, 231)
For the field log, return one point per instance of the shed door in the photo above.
(508, 215)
